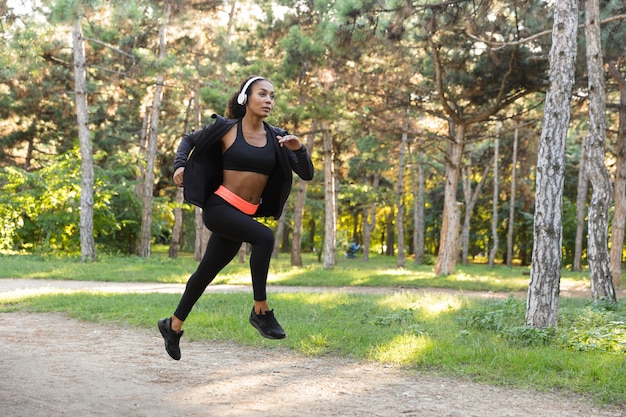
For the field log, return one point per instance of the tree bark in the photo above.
(330, 196)
(448, 242)
(619, 188)
(389, 236)
(146, 214)
(543, 292)
(278, 236)
(298, 214)
(581, 208)
(602, 192)
(511, 228)
(368, 221)
(177, 230)
(400, 259)
(202, 236)
(87, 243)
(494, 200)
(471, 197)
(193, 114)
(418, 207)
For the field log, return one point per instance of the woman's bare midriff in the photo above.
(247, 185)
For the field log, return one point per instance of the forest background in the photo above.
(423, 119)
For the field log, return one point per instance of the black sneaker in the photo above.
(171, 338)
(267, 325)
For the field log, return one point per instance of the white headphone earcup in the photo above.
(242, 98)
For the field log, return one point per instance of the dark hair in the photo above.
(234, 110)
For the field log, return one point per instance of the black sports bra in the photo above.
(241, 156)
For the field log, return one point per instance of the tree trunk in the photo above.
(494, 200)
(389, 236)
(418, 208)
(369, 220)
(509, 235)
(399, 192)
(298, 214)
(581, 208)
(619, 190)
(278, 237)
(470, 202)
(202, 236)
(448, 242)
(87, 243)
(243, 251)
(330, 196)
(542, 305)
(466, 183)
(602, 192)
(177, 230)
(146, 214)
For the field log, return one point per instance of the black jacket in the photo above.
(204, 171)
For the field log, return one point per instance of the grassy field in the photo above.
(447, 334)
(380, 271)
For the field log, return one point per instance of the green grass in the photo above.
(380, 271)
(454, 335)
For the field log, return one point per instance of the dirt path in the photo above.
(52, 366)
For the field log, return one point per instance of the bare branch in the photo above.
(500, 45)
(108, 45)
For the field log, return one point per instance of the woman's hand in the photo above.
(290, 141)
(178, 176)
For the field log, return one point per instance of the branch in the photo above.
(439, 83)
(617, 75)
(108, 45)
(500, 45)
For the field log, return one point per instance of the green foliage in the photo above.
(588, 328)
(595, 328)
(40, 211)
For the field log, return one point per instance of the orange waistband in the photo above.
(236, 201)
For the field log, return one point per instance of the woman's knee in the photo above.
(261, 236)
(265, 237)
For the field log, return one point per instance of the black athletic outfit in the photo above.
(229, 226)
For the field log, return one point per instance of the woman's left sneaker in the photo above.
(267, 325)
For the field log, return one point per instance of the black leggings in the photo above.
(230, 227)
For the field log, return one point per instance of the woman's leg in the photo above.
(219, 252)
(230, 223)
(244, 228)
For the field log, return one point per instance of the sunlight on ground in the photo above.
(430, 305)
(403, 349)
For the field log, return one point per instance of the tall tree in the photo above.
(87, 242)
(67, 11)
(598, 252)
(330, 197)
(148, 188)
(296, 249)
(619, 188)
(399, 193)
(418, 205)
(511, 222)
(460, 82)
(494, 199)
(581, 208)
(543, 292)
(471, 198)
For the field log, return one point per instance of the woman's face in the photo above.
(261, 98)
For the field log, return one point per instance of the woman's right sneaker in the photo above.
(172, 338)
(267, 325)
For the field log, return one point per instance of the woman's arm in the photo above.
(301, 163)
(185, 147)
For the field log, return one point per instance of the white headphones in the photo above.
(242, 98)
